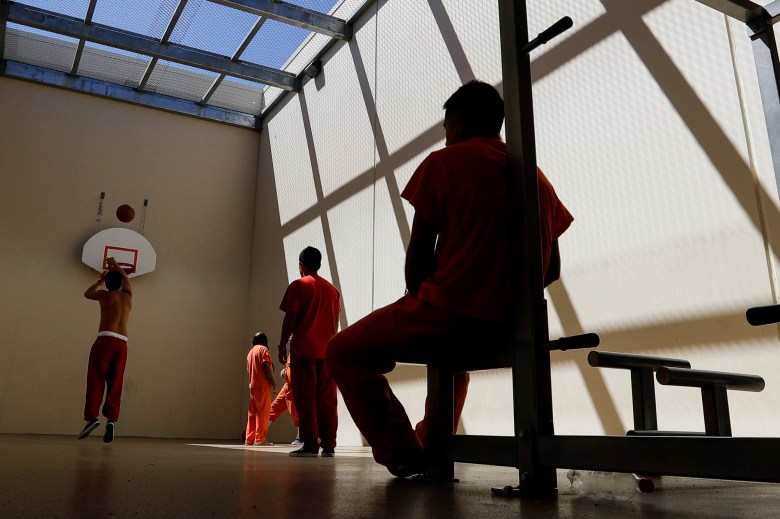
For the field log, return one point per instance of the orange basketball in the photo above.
(125, 213)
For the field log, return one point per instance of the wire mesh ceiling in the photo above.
(222, 60)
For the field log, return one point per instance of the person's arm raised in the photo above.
(127, 288)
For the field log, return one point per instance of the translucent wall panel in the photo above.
(411, 85)
(237, 94)
(353, 234)
(180, 80)
(344, 113)
(40, 48)
(292, 163)
(113, 65)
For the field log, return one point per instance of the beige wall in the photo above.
(188, 330)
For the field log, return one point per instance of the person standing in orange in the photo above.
(458, 273)
(260, 369)
(311, 311)
(284, 402)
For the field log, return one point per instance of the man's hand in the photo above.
(283, 353)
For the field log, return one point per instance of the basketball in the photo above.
(125, 213)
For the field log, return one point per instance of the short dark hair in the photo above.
(480, 108)
(260, 338)
(311, 258)
(113, 280)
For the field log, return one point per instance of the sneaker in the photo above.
(87, 430)
(407, 470)
(297, 441)
(264, 444)
(109, 434)
(302, 453)
(327, 453)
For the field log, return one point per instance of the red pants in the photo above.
(282, 403)
(314, 393)
(257, 417)
(360, 355)
(105, 373)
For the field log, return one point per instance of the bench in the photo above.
(441, 451)
(676, 372)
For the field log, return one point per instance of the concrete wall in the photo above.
(649, 124)
(188, 330)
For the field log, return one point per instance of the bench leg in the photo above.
(717, 421)
(440, 425)
(643, 395)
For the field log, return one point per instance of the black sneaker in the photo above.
(327, 453)
(301, 452)
(87, 430)
(109, 434)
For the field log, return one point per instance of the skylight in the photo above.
(224, 60)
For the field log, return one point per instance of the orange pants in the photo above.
(282, 403)
(314, 393)
(259, 409)
(361, 354)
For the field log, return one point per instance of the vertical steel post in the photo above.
(531, 364)
(765, 54)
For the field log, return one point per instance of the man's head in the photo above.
(309, 259)
(113, 280)
(474, 110)
(260, 338)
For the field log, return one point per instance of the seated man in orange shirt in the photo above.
(458, 270)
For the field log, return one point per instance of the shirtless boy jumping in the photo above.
(108, 355)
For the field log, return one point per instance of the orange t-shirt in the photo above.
(463, 191)
(254, 365)
(315, 302)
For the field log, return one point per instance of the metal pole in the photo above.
(531, 364)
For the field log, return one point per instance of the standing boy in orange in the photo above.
(458, 274)
(108, 356)
(311, 306)
(260, 369)
(284, 402)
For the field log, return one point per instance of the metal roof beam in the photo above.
(45, 76)
(742, 10)
(125, 40)
(293, 15)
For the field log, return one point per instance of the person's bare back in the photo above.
(115, 303)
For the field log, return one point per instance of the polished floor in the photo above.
(58, 476)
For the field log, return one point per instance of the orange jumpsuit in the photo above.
(315, 302)
(284, 399)
(462, 191)
(555, 219)
(259, 394)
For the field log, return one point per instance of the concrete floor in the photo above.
(57, 476)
